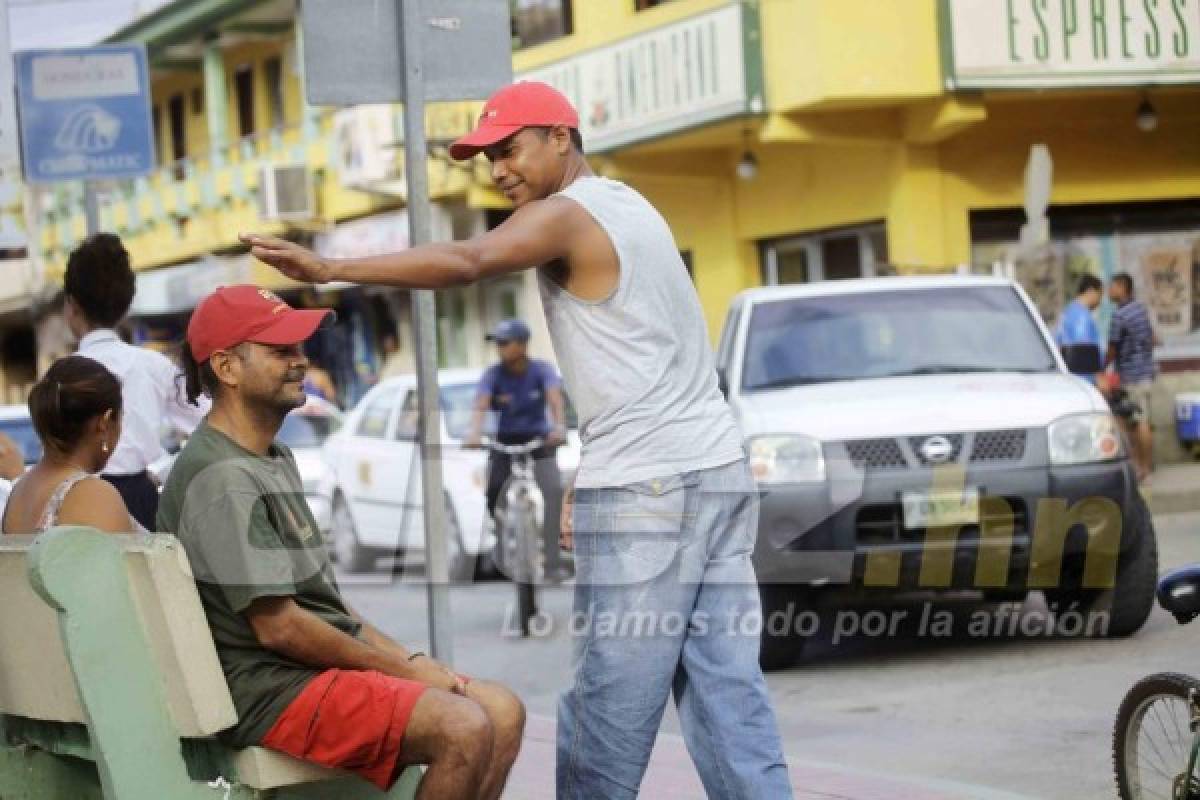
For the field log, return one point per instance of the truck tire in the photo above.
(1131, 599)
(780, 649)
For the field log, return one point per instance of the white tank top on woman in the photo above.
(638, 365)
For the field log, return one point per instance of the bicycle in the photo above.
(520, 513)
(1156, 738)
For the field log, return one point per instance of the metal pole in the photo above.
(429, 429)
(10, 171)
(91, 207)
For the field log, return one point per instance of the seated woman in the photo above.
(76, 411)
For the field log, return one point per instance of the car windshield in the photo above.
(21, 431)
(811, 340)
(306, 430)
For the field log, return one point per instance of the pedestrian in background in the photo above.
(1131, 342)
(1077, 334)
(99, 287)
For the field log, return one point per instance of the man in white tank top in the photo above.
(664, 513)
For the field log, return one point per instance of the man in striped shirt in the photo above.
(1131, 341)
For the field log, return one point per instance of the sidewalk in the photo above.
(1173, 489)
(671, 776)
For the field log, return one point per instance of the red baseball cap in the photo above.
(521, 105)
(235, 314)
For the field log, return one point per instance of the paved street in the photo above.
(1030, 716)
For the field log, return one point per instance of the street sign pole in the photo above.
(91, 208)
(429, 428)
(414, 52)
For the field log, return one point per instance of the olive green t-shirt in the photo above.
(249, 533)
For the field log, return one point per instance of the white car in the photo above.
(885, 416)
(305, 431)
(16, 424)
(377, 502)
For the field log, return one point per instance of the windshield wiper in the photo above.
(959, 369)
(801, 380)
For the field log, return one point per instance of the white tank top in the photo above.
(638, 365)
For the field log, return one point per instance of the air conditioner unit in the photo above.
(285, 191)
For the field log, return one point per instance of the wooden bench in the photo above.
(110, 685)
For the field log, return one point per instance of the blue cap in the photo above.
(510, 330)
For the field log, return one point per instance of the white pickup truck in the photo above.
(923, 434)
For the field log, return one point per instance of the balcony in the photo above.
(199, 205)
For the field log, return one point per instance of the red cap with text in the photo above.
(525, 104)
(235, 314)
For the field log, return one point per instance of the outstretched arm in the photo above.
(532, 236)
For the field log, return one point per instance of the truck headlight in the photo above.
(1084, 439)
(786, 459)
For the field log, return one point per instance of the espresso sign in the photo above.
(1061, 43)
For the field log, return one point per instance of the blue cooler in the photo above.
(1187, 417)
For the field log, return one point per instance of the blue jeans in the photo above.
(666, 602)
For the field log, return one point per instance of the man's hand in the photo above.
(424, 669)
(294, 261)
(566, 537)
(556, 438)
(12, 460)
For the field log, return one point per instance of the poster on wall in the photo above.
(1167, 278)
(1161, 266)
(1040, 272)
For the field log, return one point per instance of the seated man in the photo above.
(307, 675)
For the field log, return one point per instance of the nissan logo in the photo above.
(936, 450)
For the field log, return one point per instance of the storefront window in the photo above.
(1157, 244)
(537, 21)
(832, 255)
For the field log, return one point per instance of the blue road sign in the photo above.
(85, 114)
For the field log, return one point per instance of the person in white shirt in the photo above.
(99, 286)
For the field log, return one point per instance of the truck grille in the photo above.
(956, 446)
(984, 447)
(876, 454)
(992, 446)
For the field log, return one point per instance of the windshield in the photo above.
(21, 431)
(306, 430)
(883, 334)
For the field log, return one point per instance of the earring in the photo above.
(104, 447)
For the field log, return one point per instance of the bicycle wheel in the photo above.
(525, 577)
(1152, 740)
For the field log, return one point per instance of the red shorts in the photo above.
(349, 720)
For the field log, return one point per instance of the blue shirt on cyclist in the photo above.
(517, 387)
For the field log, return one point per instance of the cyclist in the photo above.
(525, 396)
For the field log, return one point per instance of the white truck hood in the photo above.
(917, 404)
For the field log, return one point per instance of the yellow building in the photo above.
(784, 140)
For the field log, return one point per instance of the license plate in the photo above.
(939, 509)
